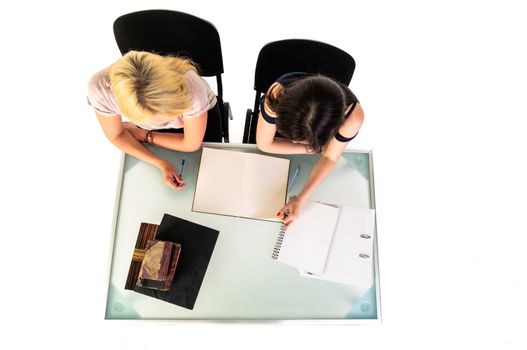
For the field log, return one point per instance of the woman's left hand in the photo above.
(138, 133)
(291, 210)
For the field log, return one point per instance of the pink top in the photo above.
(101, 98)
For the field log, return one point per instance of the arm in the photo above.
(190, 141)
(126, 142)
(266, 142)
(323, 167)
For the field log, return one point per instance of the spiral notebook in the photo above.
(241, 184)
(330, 243)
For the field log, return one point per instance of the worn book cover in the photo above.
(159, 265)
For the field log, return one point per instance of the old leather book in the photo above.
(197, 242)
(159, 265)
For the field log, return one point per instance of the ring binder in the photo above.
(278, 244)
(331, 243)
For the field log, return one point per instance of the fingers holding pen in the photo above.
(171, 177)
(289, 213)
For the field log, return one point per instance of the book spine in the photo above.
(165, 261)
(146, 232)
(278, 244)
(173, 265)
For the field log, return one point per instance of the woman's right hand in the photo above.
(170, 175)
(291, 210)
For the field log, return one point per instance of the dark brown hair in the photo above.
(310, 109)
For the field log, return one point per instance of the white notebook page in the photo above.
(265, 186)
(307, 240)
(217, 187)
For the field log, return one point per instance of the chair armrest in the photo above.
(227, 109)
(248, 119)
(227, 114)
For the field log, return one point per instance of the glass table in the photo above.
(242, 281)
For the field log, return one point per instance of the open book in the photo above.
(330, 243)
(241, 184)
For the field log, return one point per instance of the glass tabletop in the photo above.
(242, 281)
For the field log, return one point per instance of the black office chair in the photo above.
(170, 32)
(294, 55)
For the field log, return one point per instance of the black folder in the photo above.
(197, 244)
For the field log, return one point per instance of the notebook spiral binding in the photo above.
(278, 244)
(280, 239)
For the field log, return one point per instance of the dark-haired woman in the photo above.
(306, 113)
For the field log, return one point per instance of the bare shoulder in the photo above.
(352, 125)
(273, 91)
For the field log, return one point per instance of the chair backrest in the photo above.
(295, 55)
(171, 32)
(301, 55)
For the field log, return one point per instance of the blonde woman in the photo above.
(152, 92)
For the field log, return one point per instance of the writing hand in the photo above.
(291, 210)
(171, 177)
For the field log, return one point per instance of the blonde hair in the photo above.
(145, 84)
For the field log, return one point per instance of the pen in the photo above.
(293, 178)
(182, 166)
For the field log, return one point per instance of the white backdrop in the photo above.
(443, 88)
